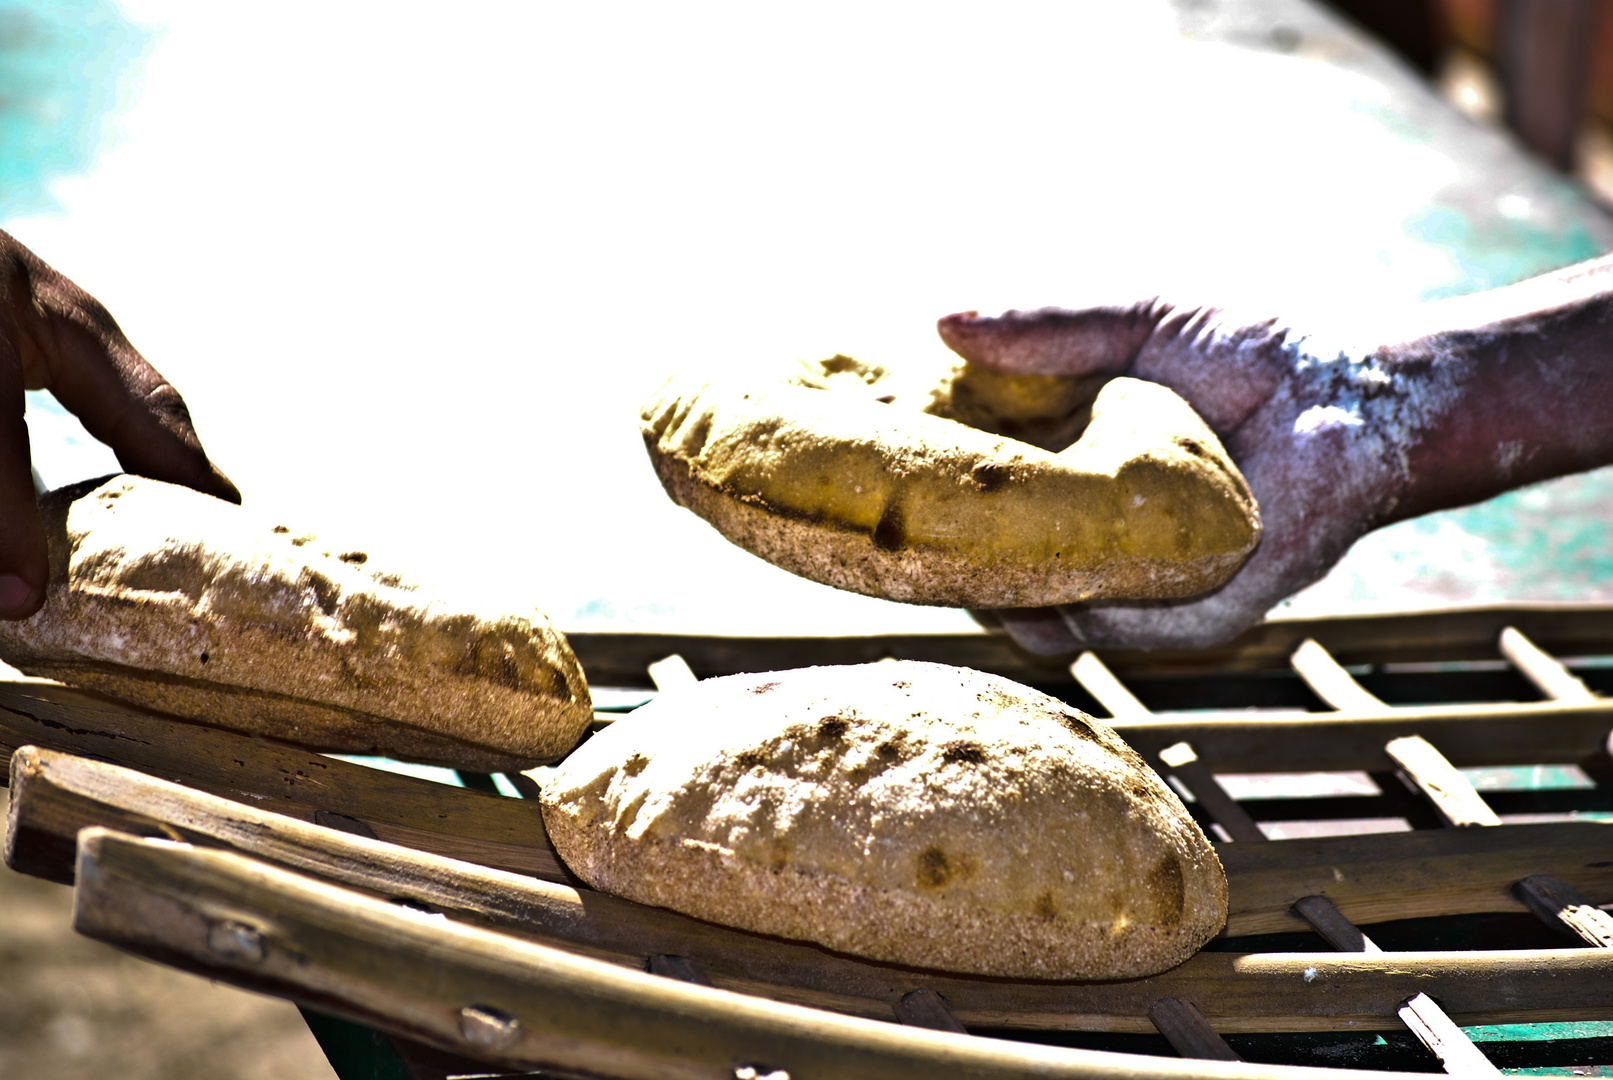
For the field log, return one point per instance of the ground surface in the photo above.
(74, 1008)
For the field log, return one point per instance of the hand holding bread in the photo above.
(54, 336)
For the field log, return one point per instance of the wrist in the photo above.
(1520, 392)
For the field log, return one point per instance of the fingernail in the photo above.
(15, 593)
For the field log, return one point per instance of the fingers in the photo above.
(1053, 341)
(24, 567)
(1041, 631)
(69, 344)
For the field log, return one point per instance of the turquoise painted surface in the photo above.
(65, 66)
(1487, 249)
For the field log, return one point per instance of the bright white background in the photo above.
(415, 267)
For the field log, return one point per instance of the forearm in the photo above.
(1512, 388)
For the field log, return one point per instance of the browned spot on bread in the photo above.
(990, 476)
(833, 727)
(280, 529)
(356, 558)
(1167, 887)
(968, 753)
(751, 759)
(891, 749)
(493, 659)
(762, 688)
(559, 688)
(635, 764)
(326, 592)
(890, 534)
(779, 855)
(1077, 726)
(934, 869)
(1045, 908)
(1192, 446)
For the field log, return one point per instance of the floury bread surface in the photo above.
(884, 499)
(906, 812)
(181, 603)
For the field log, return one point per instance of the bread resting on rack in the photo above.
(907, 812)
(181, 603)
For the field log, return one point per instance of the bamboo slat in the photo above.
(1541, 668)
(1450, 793)
(620, 659)
(514, 1002)
(1472, 735)
(1327, 677)
(464, 824)
(1560, 904)
(1447, 1041)
(1189, 1034)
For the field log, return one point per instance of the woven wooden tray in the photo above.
(439, 915)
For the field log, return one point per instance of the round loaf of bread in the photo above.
(889, 501)
(181, 603)
(906, 812)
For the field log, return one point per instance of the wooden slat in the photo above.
(1327, 920)
(1185, 1028)
(45, 714)
(1560, 904)
(1096, 678)
(670, 673)
(451, 821)
(268, 929)
(1452, 794)
(55, 795)
(619, 659)
(1182, 762)
(1448, 1042)
(1409, 875)
(1330, 681)
(1472, 735)
(1539, 667)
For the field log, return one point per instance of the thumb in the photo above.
(1054, 341)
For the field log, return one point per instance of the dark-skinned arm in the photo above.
(1338, 435)
(54, 336)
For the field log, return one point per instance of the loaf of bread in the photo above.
(180, 603)
(907, 812)
(852, 489)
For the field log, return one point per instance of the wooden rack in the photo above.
(439, 916)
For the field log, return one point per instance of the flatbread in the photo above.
(877, 498)
(178, 602)
(907, 812)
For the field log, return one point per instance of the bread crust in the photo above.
(184, 604)
(896, 503)
(907, 812)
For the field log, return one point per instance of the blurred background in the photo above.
(414, 270)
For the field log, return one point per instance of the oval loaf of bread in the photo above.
(906, 812)
(181, 603)
(889, 501)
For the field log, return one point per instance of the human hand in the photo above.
(1321, 435)
(54, 336)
